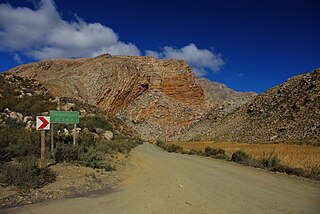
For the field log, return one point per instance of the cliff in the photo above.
(154, 97)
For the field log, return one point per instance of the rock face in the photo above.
(288, 112)
(154, 97)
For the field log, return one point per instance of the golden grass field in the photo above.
(292, 155)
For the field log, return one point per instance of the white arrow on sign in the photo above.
(43, 123)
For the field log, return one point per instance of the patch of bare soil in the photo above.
(72, 181)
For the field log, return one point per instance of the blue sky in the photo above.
(247, 45)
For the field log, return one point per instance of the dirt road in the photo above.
(161, 182)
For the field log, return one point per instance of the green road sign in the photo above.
(69, 117)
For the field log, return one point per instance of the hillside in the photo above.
(99, 146)
(154, 97)
(288, 112)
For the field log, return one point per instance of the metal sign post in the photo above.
(74, 134)
(42, 124)
(52, 153)
(43, 163)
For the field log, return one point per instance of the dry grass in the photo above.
(306, 157)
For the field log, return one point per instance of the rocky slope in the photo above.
(288, 112)
(222, 94)
(154, 97)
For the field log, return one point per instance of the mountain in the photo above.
(154, 97)
(161, 99)
(287, 112)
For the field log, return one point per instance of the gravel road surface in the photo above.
(160, 182)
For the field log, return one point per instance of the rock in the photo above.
(20, 116)
(68, 107)
(14, 115)
(99, 131)
(66, 132)
(83, 112)
(273, 137)
(78, 130)
(29, 125)
(27, 118)
(108, 135)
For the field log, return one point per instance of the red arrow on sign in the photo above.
(44, 123)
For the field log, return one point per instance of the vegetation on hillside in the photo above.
(21, 100)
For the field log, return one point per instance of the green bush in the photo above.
(241, 157)
(91, 157)
(26, 174)
(91, 153)
(291, 171)
(192, 152)
(270, 162)
(122, 146)
(66, 153)
(18, 142)
(86, 139)
(108, 167)
(94, 122)
(161, 144)
(213, 152)
(174, 148)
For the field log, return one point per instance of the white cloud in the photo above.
(119, 48)
(42, 34)
(17, 58)
(201, 60)
(153, 54)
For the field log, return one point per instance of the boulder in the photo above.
(108, 135)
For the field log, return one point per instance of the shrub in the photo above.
(220, 156)
(270, 162)
(192, 152)
(27, 174)
(94, 122)
(86, 139)
(213, 152)
(241, 157)
(18, 142)
(200, 152)
(108, 167)
(174, 148)
(66, 153)
(290, 171)
(161, 144)
(91, 157)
